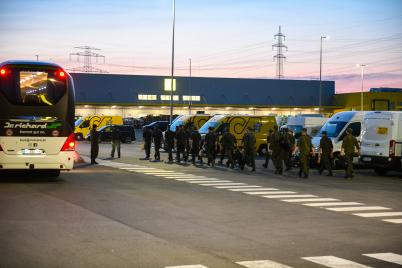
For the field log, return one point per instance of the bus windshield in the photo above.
(333, 128)
(30, 87)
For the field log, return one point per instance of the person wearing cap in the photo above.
(249, 147)
(228, 143)
(147, 138)
(349, 147)
(195, 138)
(210, 144)
(305, 149)
(94, 136)
(325, 154)
(169, 140)
(181, 143)
(277, 151)
(116, 140)
(269, 149)
(157, 137)
(288, 148)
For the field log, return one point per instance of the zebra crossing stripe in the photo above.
(255, 188)
(138, 168)
(330, 204)
(188, 266)
(289, 196)
(218, 183)
(171, 174)
(195, 179)
(239, 187)
(334, 262)
(262, 264)
(358, 208)
(270, 192)
(309, 200)
(378, 214)
(207, 181)
(393, 220)
(388, 257)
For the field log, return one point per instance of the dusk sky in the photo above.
(224, 38)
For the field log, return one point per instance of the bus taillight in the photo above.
(3, 72)
(69, 144)
(61, 74)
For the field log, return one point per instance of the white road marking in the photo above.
(330, 204)
(139, 168)
(393, 220)
(335, 262)
(172, 174)
(183, 177)
(253, 189)
(310, 200)
(358, 208)
(262, 264)
(378, 214)
(193, 179)
(160, 173)
(270, 192)
(221, 184)
(241, 187)
(207, 181)
(289, 196)
(188, 266)
(388, 257)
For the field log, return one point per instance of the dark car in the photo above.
(127, 133)
(162, 125)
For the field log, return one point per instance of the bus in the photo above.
(36, 117)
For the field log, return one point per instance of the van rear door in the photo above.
(376, 136)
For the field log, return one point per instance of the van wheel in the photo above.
(79, 137)
(262, 150)
(128, 140)
(380, 171)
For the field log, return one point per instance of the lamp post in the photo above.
(361, 66)
(172, 70)
(189, 91)
(320, 92)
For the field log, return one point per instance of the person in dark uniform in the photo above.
(187, 148)
(228, 142)
(116, 140)
(181, 142)
(325, 155)
(169, 139)
(195, 139)
(277, 151)
(157, 136)
(147, 137)
(288, 151)
(94, 136)
(210, 143)
(349, 147)
(269, 149)
(249, 147)
(305, 149)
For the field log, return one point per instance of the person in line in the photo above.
(289, 148)
(325, 154)
(180, 142)
(157, 136)
(147, 137)
(195, 145)
(94, 136)
(277, 158)
(187, 149)
(210, 143)
(249, 147)
(116, 140)
(269, 149)
(228, 142)
(350, 146)
(305, 149)
(169, 139)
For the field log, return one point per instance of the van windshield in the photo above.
(175, 124)
(333, 128)
(207, 125)
(78, 122)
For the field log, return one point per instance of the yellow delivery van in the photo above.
(83, 125)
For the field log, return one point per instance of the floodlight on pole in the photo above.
(361, 66)
(320, 91)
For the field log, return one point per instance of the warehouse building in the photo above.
(140, 95)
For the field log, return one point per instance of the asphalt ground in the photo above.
(118, 214)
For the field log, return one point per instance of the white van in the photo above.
(336, 129)
(312, 123)
(381, 144)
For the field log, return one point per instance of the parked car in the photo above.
(127, 133)
(162, 125)
(381, 145)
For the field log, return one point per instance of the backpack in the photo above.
(284, 142)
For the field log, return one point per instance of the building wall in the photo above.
(371, 101)
(108, 89)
